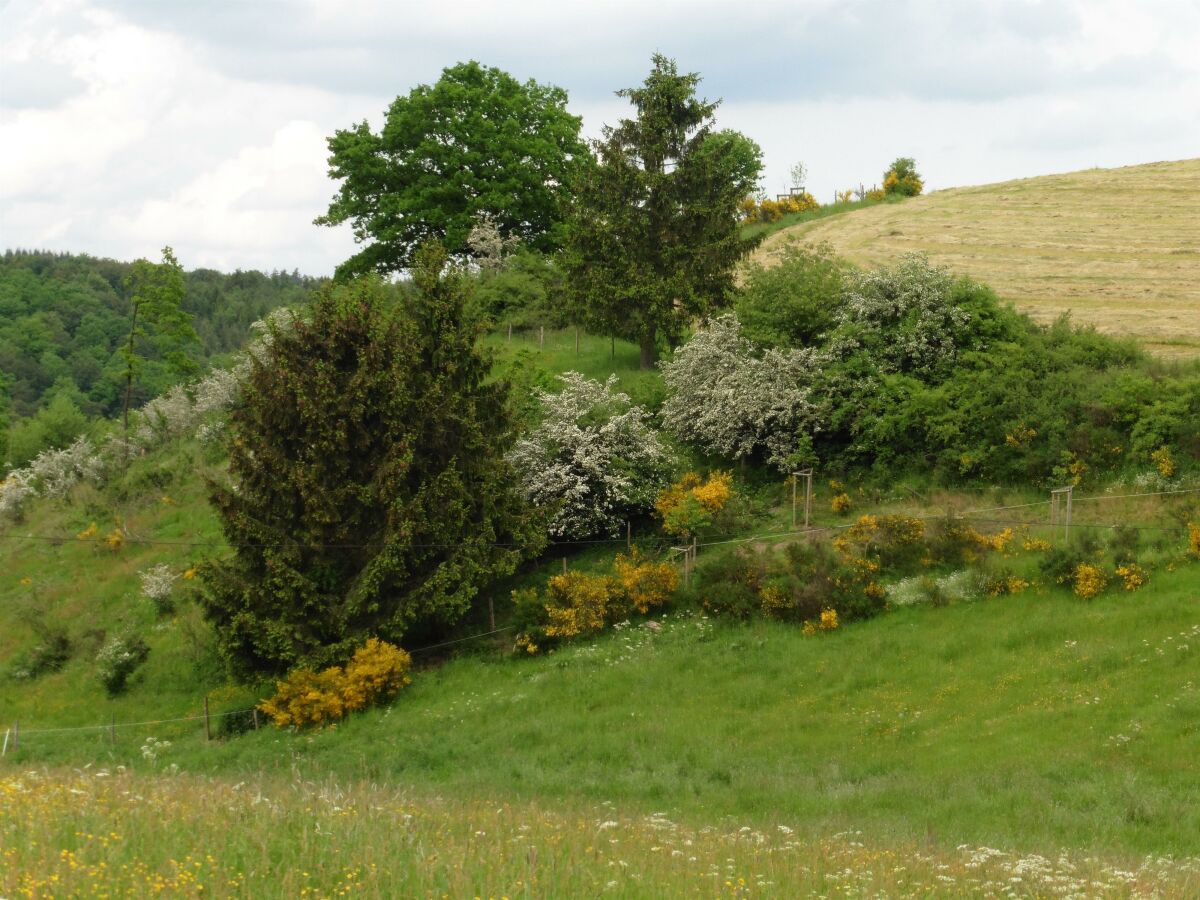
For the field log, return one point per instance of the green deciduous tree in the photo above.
(369, 492)
(654, 234)
(476, 141)
(157, 314)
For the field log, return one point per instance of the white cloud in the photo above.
(129, 124)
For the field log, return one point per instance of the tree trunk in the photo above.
(648, 344)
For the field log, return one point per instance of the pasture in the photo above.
(1116, 248)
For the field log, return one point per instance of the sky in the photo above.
(127, 125)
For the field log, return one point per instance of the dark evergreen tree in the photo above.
(654, 234)
(369, 492)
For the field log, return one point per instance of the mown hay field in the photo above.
(1117, 248)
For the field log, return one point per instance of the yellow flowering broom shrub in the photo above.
(376, 672)
(645, 584)
(690, 503)
(1194, 538)
(579, 604)
(1132, 576)
(1089, 581)
(1163, 461)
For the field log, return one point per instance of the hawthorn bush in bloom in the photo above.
(906, 316)
(594, 458)
(728, 399)
(184, 409)
(119, 658)
(157, 584)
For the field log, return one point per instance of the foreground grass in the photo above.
(1115, 247)
(1031, 723)
(104, 833)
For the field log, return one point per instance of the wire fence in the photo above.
(15, 734)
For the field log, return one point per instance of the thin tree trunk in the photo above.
(129, 379)
(648, 344)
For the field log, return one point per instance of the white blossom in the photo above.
(594, 455)
(157, 584)
(906, 314)
(729, 400)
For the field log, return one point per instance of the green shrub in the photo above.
(792, 304)
(121, 656)
(901, 178)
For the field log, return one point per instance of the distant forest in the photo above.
(63, 316)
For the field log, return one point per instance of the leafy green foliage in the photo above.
(54, 427)
(369, 492)
(476, 141)
(526, 291)
(156, 298)
(901, 178)
(793, 303)
(654, 234)
(63, 318)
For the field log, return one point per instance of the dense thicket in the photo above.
(64, 318)
(369, 492)
(910, 370)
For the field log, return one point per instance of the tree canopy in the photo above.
(476, 141)
(654, 232)
(369, 493)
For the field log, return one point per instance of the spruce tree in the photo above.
(654, 235)
(368, 490)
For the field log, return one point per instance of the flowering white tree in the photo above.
(905, 316)
(594, 456)
(728, 399)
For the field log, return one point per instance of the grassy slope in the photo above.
(998, 722)
(1119, 248)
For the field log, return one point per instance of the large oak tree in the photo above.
(476, 141)
(654, 234)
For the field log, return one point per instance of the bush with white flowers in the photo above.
(158, 582)
(905, 316)
(594, 458)
(729, 399)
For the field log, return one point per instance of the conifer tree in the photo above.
(654, 233)
(369, 492)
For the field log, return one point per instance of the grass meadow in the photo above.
(112, 833)
(1118, 248)
(1027, 745)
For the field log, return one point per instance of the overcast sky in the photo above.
(129, 124)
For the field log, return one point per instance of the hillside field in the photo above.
(1117, 248)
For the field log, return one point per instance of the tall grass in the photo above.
(108, 833)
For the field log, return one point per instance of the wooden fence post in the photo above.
(207, 723)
